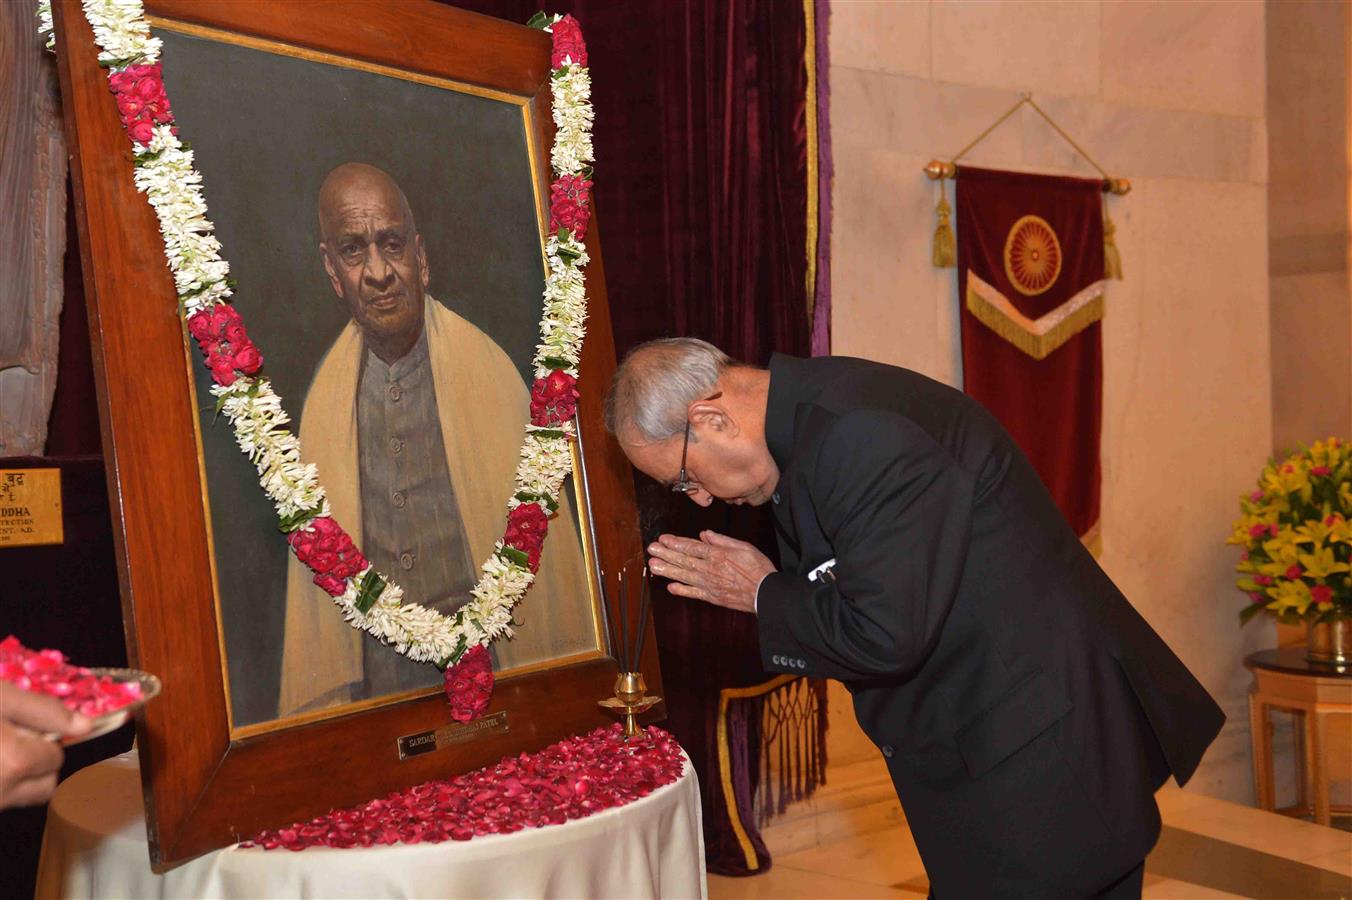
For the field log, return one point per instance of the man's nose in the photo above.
(378, 273)
(700, 497)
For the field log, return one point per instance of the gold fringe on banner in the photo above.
(790, 716)
(1038, 338)
(1112, 260)
(945, 248)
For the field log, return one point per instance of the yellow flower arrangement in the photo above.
(1296, 531)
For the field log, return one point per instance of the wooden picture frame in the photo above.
(206, 785)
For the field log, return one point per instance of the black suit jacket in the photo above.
(1027, 712)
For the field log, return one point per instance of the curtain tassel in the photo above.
(945, 248)
(1112, 260)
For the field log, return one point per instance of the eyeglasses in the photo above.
(682, 484)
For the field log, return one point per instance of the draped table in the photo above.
(95, 846)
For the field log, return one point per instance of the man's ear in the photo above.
(713, 417)
(424, 273)
(329, 268)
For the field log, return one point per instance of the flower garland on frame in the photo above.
(165, 173)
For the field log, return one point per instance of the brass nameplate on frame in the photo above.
(30, 507)
(447, 735)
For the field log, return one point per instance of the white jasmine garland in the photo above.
(166, 174)
(45, 25)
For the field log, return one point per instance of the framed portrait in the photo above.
(314, 122)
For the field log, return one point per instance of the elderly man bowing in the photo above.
(1026, 711)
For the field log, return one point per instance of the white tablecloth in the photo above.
(95, 846)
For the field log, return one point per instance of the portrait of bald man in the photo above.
(414, 417)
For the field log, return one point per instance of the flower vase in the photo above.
(1329, 643)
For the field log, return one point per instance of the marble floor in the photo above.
(851, 841)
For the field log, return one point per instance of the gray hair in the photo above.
(655, 385)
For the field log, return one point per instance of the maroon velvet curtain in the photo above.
(701, 196)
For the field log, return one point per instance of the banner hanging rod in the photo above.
(937, 169)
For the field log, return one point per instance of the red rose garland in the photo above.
(141, 100)
(526, 528)
(575, 778)
(225, 344)
(568, 46)
(219, 331)
(568, 205)
(553, 399)
(329, 552)
(469, 684)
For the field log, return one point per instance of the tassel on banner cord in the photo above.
(1112, 259)
(945, 248)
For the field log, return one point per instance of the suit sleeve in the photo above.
(896, 509)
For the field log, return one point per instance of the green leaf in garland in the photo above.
(541, 20)
(120, 63)
(458, 652)
(149, 156)
(549, 502)
(514, 556)
(555, 363)
(546, 433)
(296, 521)
(571, 256)
(371, 588)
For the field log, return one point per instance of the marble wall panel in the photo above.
(1034, 45)
(890, 36)
(1311, 366)
(1202, 55)
(920, 117)
(1141, 142)
(889, 303)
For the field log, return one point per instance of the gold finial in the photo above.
(939, 169)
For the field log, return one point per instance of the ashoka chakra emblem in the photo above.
(1032, 256)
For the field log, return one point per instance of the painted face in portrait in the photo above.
(374, 256)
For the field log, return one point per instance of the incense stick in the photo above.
(624, 625)
(609, 620)
(644, 603)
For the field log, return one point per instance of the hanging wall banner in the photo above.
(1030, 279)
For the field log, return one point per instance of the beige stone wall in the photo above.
(1308, 219)
(1172, 96)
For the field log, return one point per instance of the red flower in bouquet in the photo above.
(526, 528)
(569, 48)
(469, 684)
(553, 400)
(568, 205)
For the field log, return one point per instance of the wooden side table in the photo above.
(1321, 696)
